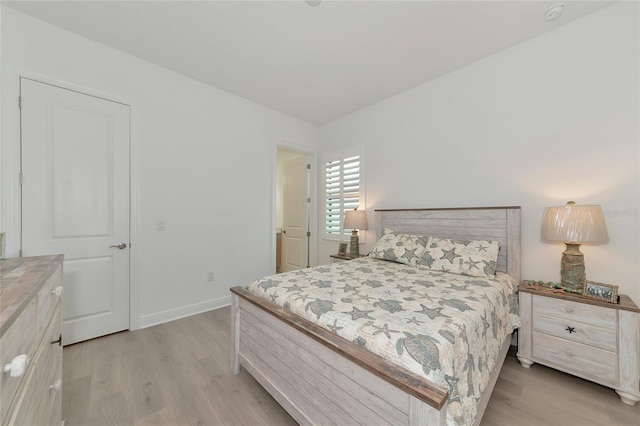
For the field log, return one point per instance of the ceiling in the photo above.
(315, 63)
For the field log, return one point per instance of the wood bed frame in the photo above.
(321, 378)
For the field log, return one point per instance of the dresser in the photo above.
(31, 341)
(592, 339)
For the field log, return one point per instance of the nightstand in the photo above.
(334, 258)
(595, 340)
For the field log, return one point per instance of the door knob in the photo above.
(120, 246)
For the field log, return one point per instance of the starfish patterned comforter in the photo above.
(445, 327)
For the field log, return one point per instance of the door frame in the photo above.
(313, 215)
(10, 200)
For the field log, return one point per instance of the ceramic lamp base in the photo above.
(572, 271)
(354, 249)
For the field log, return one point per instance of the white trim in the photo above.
(183, 312)
(10, 155)
(135, 161)
(274, 206)
(10, 161)
(64, 84)
(313, 226)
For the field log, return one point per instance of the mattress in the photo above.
(445, 327)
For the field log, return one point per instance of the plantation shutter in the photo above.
(342, 191)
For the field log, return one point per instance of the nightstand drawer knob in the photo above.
(570, 329)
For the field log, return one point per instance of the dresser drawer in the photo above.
(25, 404)
(48, 301)
(49, 375)
(18, 340)
(582, 360)
(577, 322)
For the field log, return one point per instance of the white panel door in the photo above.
(295, 193)
(75, 201)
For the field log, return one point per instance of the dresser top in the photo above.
(20, 280)
(626, 304)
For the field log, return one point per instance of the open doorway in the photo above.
(293, 210)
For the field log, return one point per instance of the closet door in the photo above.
(75, 201)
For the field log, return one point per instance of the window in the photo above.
(342, 190)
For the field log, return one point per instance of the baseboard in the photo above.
(185, 311)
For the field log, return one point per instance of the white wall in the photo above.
(553, 119)
(204, 160)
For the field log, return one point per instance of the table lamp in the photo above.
(573, 225)
(355, 219)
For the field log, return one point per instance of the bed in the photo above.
(324, 372)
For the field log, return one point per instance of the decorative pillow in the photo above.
(401, 248)
(464, 257)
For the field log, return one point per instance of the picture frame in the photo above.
(601, 291)
(2, 244)
(342, 250)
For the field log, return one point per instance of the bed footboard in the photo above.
(319, 377)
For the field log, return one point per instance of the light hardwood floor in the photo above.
(178, 374)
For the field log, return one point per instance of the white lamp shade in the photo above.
(355, 219)
(574, 224)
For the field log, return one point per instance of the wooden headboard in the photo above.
(500, 224)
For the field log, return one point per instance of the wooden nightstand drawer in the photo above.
(577, 322)
(582, 360)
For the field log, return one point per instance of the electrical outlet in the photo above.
(211, 276)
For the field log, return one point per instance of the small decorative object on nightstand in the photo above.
(342, 250)
(592, 339)
(601, 291)
(355, 219)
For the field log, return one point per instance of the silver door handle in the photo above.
(120, 246)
